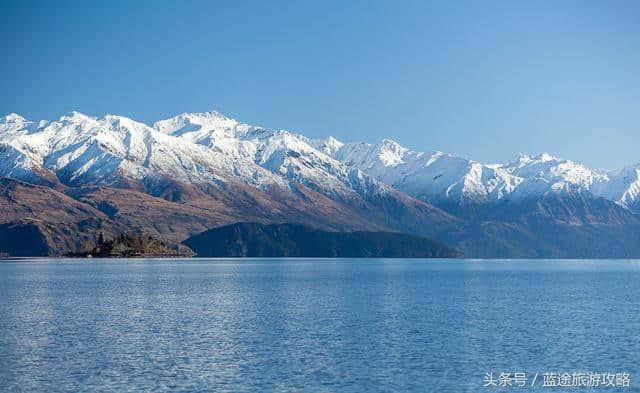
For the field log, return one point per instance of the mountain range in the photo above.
(66, 180)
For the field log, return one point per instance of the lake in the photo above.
(361, 325)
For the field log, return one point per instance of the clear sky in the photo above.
(482, 79)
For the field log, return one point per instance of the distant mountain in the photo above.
(442, 178)
(555, 225)
(286, 240)
(622, 186)
(197, 171)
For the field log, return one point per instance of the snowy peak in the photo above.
(545, 157)
(545, 173)
(14, 124)
(195, 126)
(524, 160)
(13, 118)
(75, 117)
(333, 143)
(390, 152)
(630, 180)
(211, 129)
(622, 186)
(327, 146)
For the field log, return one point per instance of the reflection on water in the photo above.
(347, 325)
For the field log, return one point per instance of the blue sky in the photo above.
(485, 80)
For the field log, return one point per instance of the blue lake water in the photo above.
(313, 325)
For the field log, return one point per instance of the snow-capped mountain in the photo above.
(80, 149)
(432, 176)
(199, 149)
(196, 171)
(440, 178)
(212, 148)
(290, 155)
(622, 186)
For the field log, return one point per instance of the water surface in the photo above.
(312, 324)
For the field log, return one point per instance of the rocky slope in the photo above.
(37, 220)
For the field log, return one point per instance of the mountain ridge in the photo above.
(432, 176)
(194, 171)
